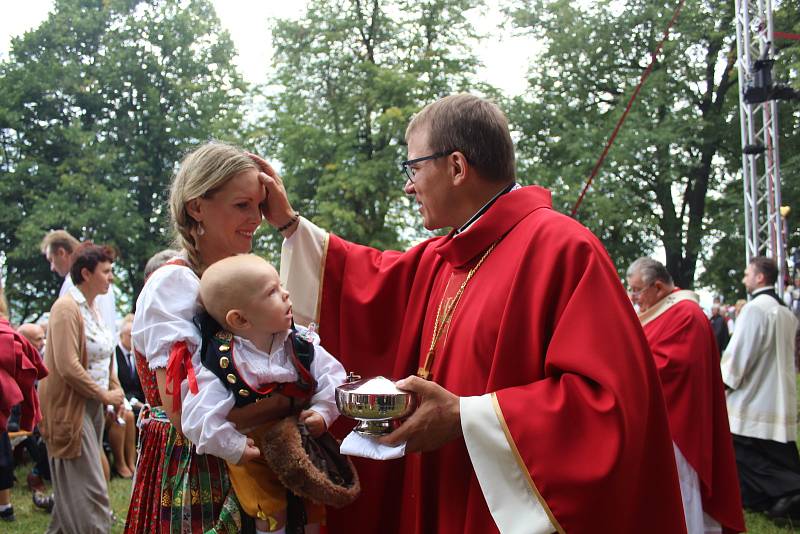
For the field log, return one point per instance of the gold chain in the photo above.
(443, 316)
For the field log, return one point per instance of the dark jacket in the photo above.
(128, 377)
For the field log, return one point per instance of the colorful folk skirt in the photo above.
(145, 507)
(177, 490)
(196, 493)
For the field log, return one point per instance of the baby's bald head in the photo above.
(233, 283)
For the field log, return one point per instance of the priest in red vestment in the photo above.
(540, 408)
(687, 358)
(21, 366)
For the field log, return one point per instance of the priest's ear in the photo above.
(236, 320)
(459, 167)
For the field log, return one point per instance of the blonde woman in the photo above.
(73, 397)
(215, 205)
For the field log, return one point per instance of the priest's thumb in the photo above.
(414, 383)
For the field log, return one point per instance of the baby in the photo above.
(253, 353)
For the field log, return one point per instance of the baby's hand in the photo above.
(251, 452)
(314, 422)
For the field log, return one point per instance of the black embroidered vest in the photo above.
(217, 356)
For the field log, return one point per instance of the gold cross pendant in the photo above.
(423, 373)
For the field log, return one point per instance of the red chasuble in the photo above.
(687, 360)
(21, 366)
(544, 324)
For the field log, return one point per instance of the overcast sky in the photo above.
(505, 57)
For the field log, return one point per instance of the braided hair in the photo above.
(201, 173)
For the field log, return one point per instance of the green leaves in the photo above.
(102, 100)
(348, 78)
(653, 185)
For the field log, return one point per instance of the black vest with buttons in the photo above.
(216, 355)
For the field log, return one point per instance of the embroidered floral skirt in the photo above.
(144, 510)
(177, 490)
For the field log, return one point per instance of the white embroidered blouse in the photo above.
(99, 340)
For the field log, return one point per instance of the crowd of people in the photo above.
(534, 413)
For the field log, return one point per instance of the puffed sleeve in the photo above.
(328, 373)
(204, 417)
(164, 312)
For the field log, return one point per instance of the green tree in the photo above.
(676, 145)
(725, 265)
(348, 76)
(101, 101)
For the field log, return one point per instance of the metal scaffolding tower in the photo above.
(758, 113)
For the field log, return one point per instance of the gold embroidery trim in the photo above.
(521, 463)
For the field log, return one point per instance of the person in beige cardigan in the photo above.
(73, 398)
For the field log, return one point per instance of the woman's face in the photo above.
(100, 280)
(230, 216)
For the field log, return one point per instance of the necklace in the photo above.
(444, 313)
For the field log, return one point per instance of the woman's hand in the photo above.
(276, 207)
(250, 452)
(274, 407)
(114, 397)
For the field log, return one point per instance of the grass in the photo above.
(759, 524)
(32, 520)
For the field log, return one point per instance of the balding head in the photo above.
(648, 282)
(242, 284)
(33, 333)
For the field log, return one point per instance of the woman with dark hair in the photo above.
(73, 396)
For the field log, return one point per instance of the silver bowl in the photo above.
(377, 413)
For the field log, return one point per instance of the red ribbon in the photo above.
(179, 367)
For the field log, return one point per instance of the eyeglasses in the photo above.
(411, 172)
(637, 292)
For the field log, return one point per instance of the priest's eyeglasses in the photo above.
(636, 292)
(410, 171)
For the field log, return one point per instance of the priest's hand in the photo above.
(436, 420)
(276, 207)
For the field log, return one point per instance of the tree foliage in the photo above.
(100, 101)
(675, 147)
(348, 76)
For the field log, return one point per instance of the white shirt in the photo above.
(204, 415)
(106, 305)
(99, 340)
(164, 312)
(758, 366)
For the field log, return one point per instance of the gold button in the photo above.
(224, 362)
(224, 348)
(244, 393)
(231, 378)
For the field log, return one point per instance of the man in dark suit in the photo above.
(126, 366)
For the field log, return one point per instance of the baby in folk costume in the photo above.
(250, 350)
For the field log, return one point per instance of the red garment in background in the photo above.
(687, 359)
(544, 323)
(21, 366)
